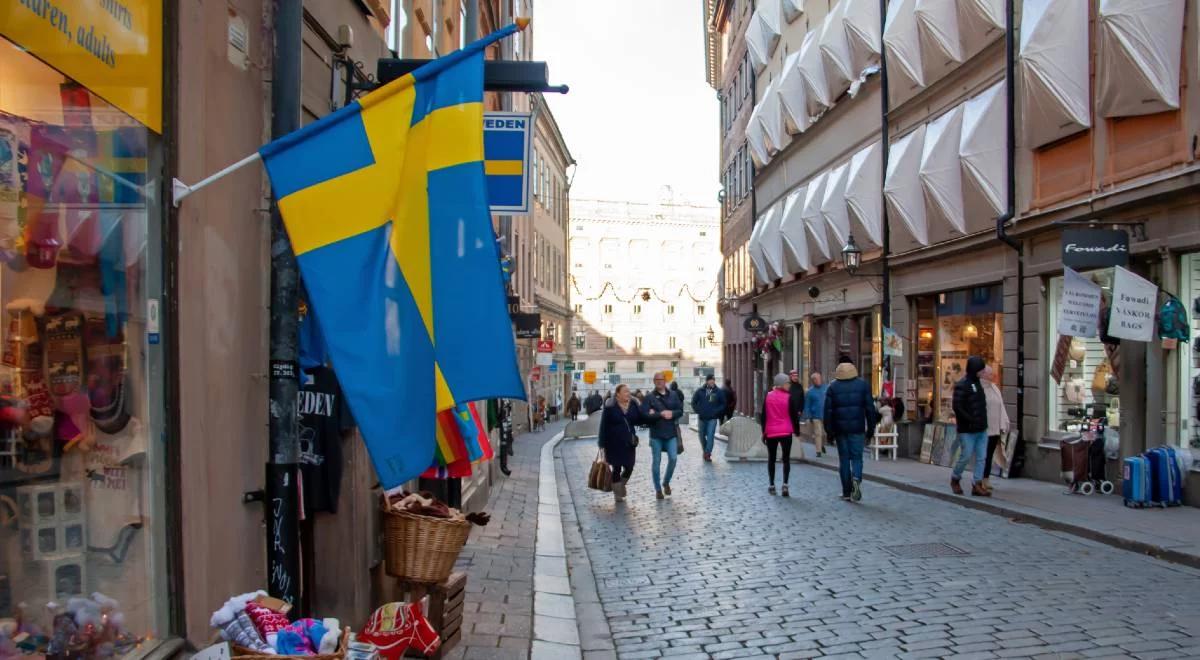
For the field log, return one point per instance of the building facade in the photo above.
(644, 293)
(922, 190)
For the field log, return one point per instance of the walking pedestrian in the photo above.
(998, 422)
(971, 418)
(779, 425)
(662, 410)
(849, 418)
(619, 439)
(573, 406)
(539, 413)
(709, 404)
(593, 403)
(814, 411)
(730, 401)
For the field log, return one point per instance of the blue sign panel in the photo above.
(506, 140)
(553, 367)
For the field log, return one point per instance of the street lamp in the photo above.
(851, 255)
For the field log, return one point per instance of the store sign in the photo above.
(506, 139)
(1079, 306)
(545, 359)
(514, 305)
(569, 366)
(589, 377)
(755, 324)
(529, 326)
(545, 346)
(1095, 248)
(614, 379)
(112, 47)
(1133, 303)
(892, 343)
(553, 367)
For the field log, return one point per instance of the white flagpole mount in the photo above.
(180, 190)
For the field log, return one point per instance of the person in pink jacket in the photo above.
(779, 425)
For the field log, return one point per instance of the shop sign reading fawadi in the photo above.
(112, 47)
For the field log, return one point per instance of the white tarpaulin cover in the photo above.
(763, 32)
(863, 180)
(755, 249)
(756, 137)
(795, 236)
(814, 222)
(902, 42)
(770, 242)
(771, 115)
(792, 9)
(862, 31)
(835, 51)
(979, 23)
(833, 207)
(981, 148)
(792, 95)
(937, 24)
(812, 71)
(1054, 69)
(1139, 53)
(902, 188)
(941, 172)
(989, 12)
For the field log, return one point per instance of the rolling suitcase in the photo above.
(1074, 455)
(1135, 481)
(1166, 481)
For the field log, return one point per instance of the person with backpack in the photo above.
(709, 404)
(971, 419)
(850, 417)
(730, 401)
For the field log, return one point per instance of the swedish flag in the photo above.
(385, 203)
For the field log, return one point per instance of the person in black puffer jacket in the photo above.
(850, 417)
(970, 417)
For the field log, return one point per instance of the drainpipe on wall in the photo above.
(282, 494)
(1010, 88)
(886, 311)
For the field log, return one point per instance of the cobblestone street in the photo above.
(724, 570)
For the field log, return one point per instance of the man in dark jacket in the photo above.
(970, 416)
(850, 417)
(593, 403)
(795, 401)
(709, 404)
(663, 408)
(730, 401)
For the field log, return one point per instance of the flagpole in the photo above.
(180, 189)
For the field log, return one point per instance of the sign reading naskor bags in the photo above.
(1095, 248)
(1079, 306)
(1133, 303)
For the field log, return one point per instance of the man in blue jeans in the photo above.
(663, 408)
(970, 416)
(850, 417)
(709, 404)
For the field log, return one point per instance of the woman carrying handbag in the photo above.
(618, 437)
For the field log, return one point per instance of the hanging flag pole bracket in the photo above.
(180, 190)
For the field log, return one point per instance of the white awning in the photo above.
(814, 222)
(862, 31)
(1055, 99)
(792, 95)
(792, 9)
(981, 149)
(771, 243)
(941, 172)
(937, 24)
(812, 71)
(863, 182)
(756, 137)
(795, 236)
(833, 207)
(835, 51)
(764, 31)
(771, 117)
(901, 39)
(1139, 54)
(902, 188)
(755, 250)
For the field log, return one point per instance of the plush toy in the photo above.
(396, 627)
(236, 626)
(309, 637)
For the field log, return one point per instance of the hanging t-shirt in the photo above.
(323, 418)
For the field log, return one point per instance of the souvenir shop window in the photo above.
(76, 469)
(966, 322)
(1088, 388)
(1189, 355)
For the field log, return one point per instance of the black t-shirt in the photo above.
(323, 418)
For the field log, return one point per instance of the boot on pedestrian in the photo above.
(658, 494)
(978, 490)
(619, 491)
(987, 485)
(956, 485)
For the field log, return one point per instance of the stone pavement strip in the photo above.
(724, 570)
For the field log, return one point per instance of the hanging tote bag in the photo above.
(1100, 378)
(600, 477)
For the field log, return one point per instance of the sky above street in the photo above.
(640, 114)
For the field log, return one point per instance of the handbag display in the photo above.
(600, 476)
(1078, 350)
(1100, 378)
(1073, 390)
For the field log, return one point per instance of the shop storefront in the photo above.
(1187, 428)
(82, 504)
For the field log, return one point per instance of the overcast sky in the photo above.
(640, 114)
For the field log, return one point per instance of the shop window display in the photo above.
(1088, 388)
(1189, 355)
(76, 505)
(967, 323)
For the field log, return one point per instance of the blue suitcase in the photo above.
(1135, 481)
(1166, 481)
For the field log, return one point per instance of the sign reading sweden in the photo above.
(506, 138)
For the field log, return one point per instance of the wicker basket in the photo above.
(421, 548)
(242, 653)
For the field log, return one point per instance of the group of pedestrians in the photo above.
(661, 411)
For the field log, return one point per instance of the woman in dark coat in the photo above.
(618, 437)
